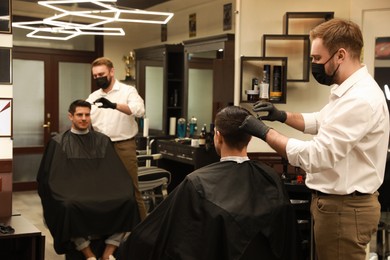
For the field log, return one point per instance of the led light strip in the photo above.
(108, 14)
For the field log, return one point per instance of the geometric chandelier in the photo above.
(95, 14)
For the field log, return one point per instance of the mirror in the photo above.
(200, 87)
(208, 77)
(150, 85)
(153, 93)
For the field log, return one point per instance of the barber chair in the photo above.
(152, 180)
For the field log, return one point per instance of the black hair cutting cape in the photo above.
(226, 210)
(84, 189)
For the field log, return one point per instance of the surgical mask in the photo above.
(318, 72)
(103, 82)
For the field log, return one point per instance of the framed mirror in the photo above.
(208, 77)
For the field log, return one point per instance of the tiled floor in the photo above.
(28, 204)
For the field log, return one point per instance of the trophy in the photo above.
(129, 61)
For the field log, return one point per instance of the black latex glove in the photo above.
(105, 103)
(273, 113)
(255, 126)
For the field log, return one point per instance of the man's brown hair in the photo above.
(103, 61)
(338, 33)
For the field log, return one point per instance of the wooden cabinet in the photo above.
(27, 242)
(159, 77)
(181, 159)
(300, 197)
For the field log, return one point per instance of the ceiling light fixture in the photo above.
(101, 14)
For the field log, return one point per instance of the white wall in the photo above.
(5, 92)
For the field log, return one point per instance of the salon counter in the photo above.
(182, 158)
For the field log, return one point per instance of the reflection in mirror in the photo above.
(153, 96)
(200, 86)
(208, 77)
(200, 96)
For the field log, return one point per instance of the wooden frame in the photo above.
(5, 117)
(227, 16)
(5, 16)
(296, 48)
(5, 65)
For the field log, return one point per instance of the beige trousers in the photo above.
(343, 225)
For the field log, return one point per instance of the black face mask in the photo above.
(103, 82)
(318, 72)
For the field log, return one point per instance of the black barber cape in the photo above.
(224, 211)
(84, 189)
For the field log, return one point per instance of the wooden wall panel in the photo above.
(5, 188)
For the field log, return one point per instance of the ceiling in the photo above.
(26, 9)
(136, 4)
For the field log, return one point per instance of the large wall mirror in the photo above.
(153, 92)
(149, 77)
(200, 86)
(208, 77)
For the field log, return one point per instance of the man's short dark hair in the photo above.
(227, 122)
(78, 103)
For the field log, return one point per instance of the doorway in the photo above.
(45, 82)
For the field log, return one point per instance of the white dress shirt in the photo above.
(349, 150)
(117, 125)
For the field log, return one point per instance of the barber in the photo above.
(115, 107)
(345, 160)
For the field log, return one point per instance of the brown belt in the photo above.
(121, 141)
(355, 193)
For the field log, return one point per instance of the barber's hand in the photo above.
(255, 127)
(105, 103)
(273, 113)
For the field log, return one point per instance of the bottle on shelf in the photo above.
(193, 128)
(255, 84)
(264, 85)
(203, 134)
(175, 97)
(276, 91)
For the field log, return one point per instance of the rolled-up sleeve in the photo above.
(311, 123)
(135, 103)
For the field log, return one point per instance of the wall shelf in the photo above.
(252, 67)
(296, 48)
(304, 20)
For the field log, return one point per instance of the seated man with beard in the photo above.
(85, 189)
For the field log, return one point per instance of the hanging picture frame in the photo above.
(5, 17)
(5, 65)
(192, 25)
(227, 17)
(5, 117)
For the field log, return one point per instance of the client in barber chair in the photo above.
(84, 190)
(232, 209)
